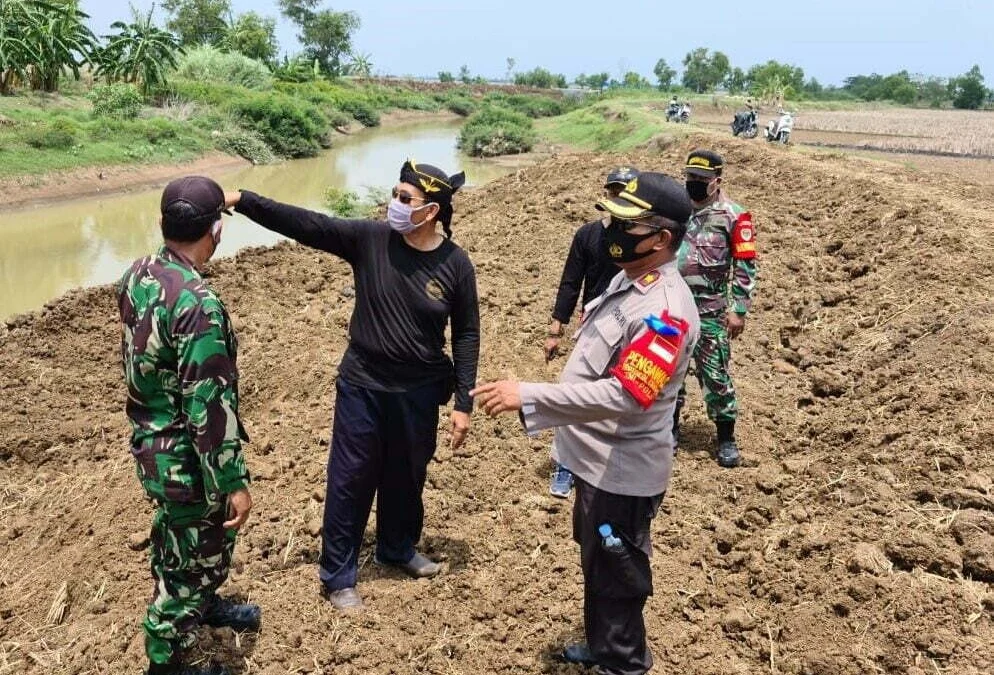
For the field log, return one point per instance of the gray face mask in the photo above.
(399, 216)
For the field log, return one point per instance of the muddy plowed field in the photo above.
(858, 537)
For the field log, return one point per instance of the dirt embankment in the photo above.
(858, 538)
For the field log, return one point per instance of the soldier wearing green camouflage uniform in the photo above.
(179, 355)
(720, 243)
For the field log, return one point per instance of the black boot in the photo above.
(220, 612)
(728, 450)
(178, 669)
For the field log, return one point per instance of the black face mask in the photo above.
(697, 190)
(619, 246)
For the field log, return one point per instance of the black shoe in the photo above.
(728, 454)
(578, 653)
(223, 612)
(177, 669)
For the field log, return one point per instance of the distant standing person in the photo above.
(720, 244)
(179, 353)
(586, 268)
(411, 283)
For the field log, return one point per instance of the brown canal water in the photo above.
(47, 250)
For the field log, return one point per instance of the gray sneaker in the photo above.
(418, 567)
(343, 599)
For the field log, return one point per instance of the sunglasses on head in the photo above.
(405, 197)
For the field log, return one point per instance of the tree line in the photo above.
(41, 40)
(705, 71)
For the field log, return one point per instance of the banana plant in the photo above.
(140, 53)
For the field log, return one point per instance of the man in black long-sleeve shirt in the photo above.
(587, 267)
(410, 283)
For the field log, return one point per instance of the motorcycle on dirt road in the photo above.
(678, 113)
(778, 130)
(744, 124)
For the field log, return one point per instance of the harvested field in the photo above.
(967, 133)
(858, 538)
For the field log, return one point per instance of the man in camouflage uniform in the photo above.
(179, 355)
(720, 242)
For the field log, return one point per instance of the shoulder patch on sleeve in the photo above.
(744, 238)
(649, 362)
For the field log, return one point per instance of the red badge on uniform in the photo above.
(647, 364)
(744, 238)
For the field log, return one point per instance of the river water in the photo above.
(45, 251)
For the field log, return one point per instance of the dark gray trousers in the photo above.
(615, 584)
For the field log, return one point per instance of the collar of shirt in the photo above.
(717, 205)
(647, 280)
(172, 256)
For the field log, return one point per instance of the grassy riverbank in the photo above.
(45, 133)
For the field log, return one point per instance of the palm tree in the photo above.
(140, 53)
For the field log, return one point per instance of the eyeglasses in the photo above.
(405, 197)
(629, 225)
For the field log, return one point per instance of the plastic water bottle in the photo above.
(608, 540)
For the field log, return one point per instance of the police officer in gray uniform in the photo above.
(612, 412)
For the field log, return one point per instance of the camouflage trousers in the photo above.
(712, 362)
(190, 555)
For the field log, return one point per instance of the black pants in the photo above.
(381, 443)
(615, 584)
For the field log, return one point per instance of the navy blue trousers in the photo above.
(381, 443)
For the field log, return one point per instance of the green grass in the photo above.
(97, 141)
(615, 124)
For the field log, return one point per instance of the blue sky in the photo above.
(828, 39)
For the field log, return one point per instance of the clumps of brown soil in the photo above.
(856, 539)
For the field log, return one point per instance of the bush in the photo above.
(122, 101)
(247, 144)
(207, 64)
(460, 105)
(60, 134)
(290, 126)
(363, 112)
(343, 203)
(534, 106)
(159, 129)
(496, 131)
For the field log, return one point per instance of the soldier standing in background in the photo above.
(720, 242)
(179, 353)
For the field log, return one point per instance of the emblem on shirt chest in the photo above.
(434, 290)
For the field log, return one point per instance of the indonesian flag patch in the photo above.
(744, 238)
(648, 363)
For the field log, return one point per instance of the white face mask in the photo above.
(399, 216)
(215, 237)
